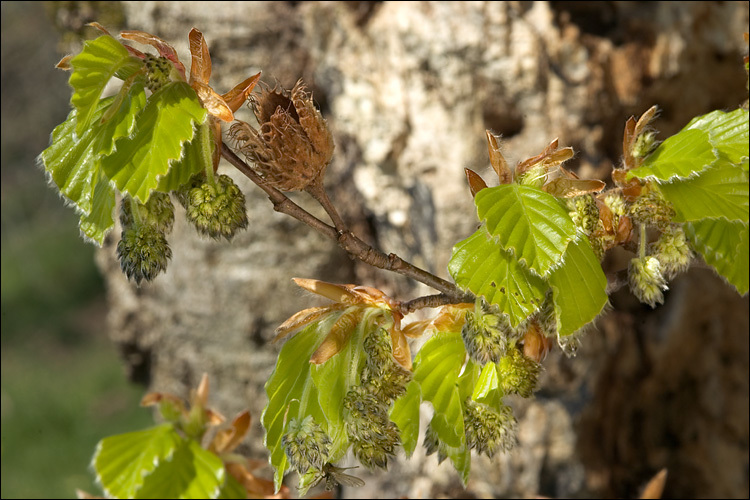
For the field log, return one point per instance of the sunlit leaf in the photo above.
(479, 264)
(162, 128)
(197, 157)
(718, 191)
(682, 155)
(122, 462)
(578, 287)
(528, 222)
(405, 414)
(73, 162)
(100, 221)
(191, 472)
(99, 61)
(728, 132)
(724, 246)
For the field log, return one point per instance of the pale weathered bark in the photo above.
(408, 90)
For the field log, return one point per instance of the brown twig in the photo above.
(347, 240)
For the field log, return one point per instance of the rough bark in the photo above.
(408, 90)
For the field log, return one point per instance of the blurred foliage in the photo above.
(63, 387)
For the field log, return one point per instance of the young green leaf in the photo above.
(232, 489)
(162, 128)
(405, 414)
(191, 472)
(578, 287)
(99, 222)
(122, 462)
(724, 246)
(682, 155)
(99, 61)
(480, 265)
(197, 157)
(728, 132)
(718, 191)
(73, 162)
(527, 222)
(436, 370)
(291, 393)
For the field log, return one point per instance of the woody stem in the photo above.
(347, 240)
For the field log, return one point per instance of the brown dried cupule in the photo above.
(292, 146)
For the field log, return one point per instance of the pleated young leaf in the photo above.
(719, 191)
(725, 246)
(728, 132)
(480, 265)
(292, 393)
(436, 370)
(73, 161)
(405, 414)
(123, 462)
(95, 226)
(528, 222)
(579, 287)
(682, 155)
(197, 156)
(162, 128)
(99, 61)
(191, 472)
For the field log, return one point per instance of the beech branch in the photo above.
(353, 245)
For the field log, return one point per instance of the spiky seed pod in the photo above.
(486, 333)
(382, 376)
(489, 430)
(306, 444)
(143, 252)
(673, 251)
(651, 208)
(293, 146)
(646, 280)
(585, 214)
(371, 433)
(158, 70)
(518, 374)
(217, 208)
(183, 192)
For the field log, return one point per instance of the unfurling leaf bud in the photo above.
(673, 251)
(306, 445)
(646, 280)
(489, 430)
(216, 208)
(518, 374)
(486, 333)
(293, 146)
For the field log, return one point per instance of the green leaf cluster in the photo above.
(703, 172)
(298, 388)
(526, 246)
(128, 142)
(160, 463)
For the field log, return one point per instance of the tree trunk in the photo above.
(408, 90)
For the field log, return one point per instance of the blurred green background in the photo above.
(63, 387)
